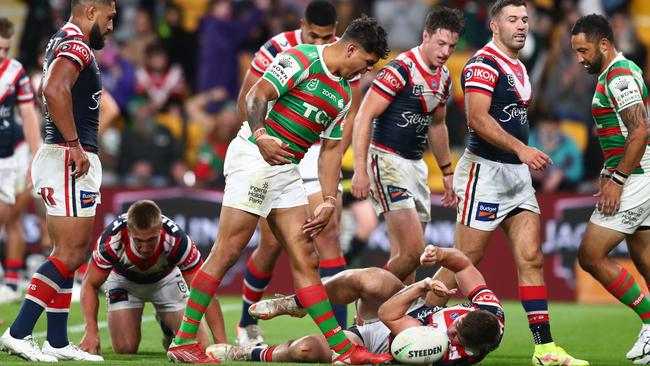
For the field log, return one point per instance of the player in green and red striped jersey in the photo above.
(309, 91)
(620, 110)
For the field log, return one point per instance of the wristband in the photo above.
(447, 174)
(444, 166)
(330, 197)
(259, 132)
(605, 173)
(73, 142)
(619, 178)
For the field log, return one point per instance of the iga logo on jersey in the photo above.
(487, 211)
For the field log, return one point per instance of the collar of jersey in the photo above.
(616, 59)
(320, 49)
(503, 55)
(418, 58)
(73, 26)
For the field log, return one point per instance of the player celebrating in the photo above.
(317, 27)
(67, 173)
(18, 93)
(310, 88)
(407, 96)
(492, 179)
(620, 112)
(474, 330)
(142, 256)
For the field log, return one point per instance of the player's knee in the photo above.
(532, 259)
(308, 349)
(587, 260)
(125, 347)
(374, 281)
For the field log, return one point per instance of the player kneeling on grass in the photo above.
(142, 256)
(387, 308)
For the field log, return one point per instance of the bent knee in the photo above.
(309, 349)
(125, 348)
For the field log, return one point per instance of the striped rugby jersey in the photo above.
(15, 89)
(312, 102)
(116, 251)
(620, 86)
(414, 91)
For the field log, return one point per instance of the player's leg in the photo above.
(124, 326)
(522, 228)
(366, 222)
(14, 259)
(173, 319)
(331, 260)
(640, 253)
(407, 239)
(258, 273)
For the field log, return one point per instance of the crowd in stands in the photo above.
(174, 69)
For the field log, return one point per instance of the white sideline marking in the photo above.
(80, 328)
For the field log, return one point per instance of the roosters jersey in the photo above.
(441, 317)
(275, 46)
(116, 251)
(505, 80)
(70, 44)
(414, 92)
(15, 88)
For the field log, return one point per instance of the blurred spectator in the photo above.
(567, 168)
(39, 25)
(221, 34)
(158, 80)
(627, 40)
(149, 153)
(118, 75)
(403, 21)
(181, 45)
(143, 35)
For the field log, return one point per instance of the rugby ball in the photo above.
(419, 345)
(218, 351)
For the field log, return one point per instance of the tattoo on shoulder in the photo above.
(634, 116)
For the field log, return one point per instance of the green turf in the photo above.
(601, 334)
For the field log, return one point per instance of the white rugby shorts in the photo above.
(170, 294)
(254, 186)
(23, 160)
(488, 191)
(635, 207)
(308, 167)
(8, 180)
(397, 183)
(63, 194)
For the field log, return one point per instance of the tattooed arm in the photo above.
(635, 119)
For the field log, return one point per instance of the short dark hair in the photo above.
(103, 2)
(6, 28)
(367, 32)
(595, 27)
(480, 329)
(321, 13)
(442, 17)
(498, 5)
(143, 214)
(154, 48)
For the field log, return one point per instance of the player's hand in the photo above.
(319, 219)
(449, 198)
(437, 287)
(609, 198)
(534, 158)
(91, 344)
(273, 150)
(430, 256)
(360, 185)
(79, 158)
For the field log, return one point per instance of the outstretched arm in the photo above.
(94, 279)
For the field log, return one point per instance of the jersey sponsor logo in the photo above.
(283, 69)
(487, 211)
(389, 79)
(97, 96)
(397, 194)
(514, 111)
(116, 295)
(486, 297)
(625, 91)
(478, 73)
(421, 121)
(46, 194)
(262, 60)
(256, 195)
(5, 112)
(82, 50)
(87, 199)
(312, 84)
(320, 117)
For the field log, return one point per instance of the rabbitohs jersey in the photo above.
(312, 102)
(440, 317)
(620, 86)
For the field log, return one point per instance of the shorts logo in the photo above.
(397, 194)
(487, 211)
(116, 295)
(182, 286)
(87, 199)
(46, 194)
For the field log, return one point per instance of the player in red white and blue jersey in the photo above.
(492, 178)
(403, 111)
(317, 27)
(309, 92)
(142, 256)
(67, 173)
(387, 307)
(16, 95)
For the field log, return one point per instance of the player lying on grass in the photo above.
(142, 256)
(387, 308)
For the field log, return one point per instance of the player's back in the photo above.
(414, 91)
(70, 44)
(491, 72)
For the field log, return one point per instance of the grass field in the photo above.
(599, 333)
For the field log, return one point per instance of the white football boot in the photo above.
(26, 348)
(70, 353)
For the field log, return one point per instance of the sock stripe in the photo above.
(312, 295)
(250, 265)
(619, 292)
(618, 281)
(341, 347)
(323, 317)
(267, 354)
(182, 334)
(191, 321)
(205, 283)
(61, 301)
(36, 300)
(645, 315)
(63, 270)
(195, 306)
(532, 293)
(332, 263)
